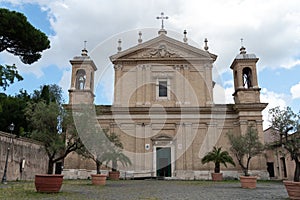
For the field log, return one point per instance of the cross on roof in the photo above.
(84, 45)
(162, 19)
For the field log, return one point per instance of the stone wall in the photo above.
(36, 159)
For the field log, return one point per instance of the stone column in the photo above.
(148, 85)
(118, 85)
(180, 147)
(239, 78)
(148, 155)
(188, 145)
(254, 77)
(138, 151)
(208, 84)
(186, 85)
(139, 83)
(243, 126)
(177, 86)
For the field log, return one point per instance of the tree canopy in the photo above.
(20, 38)
(285, 121)
(52, 125)
(8, 74)
(12, 110)
(12, 107)
(245, 146)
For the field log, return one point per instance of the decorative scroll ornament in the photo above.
(161, 52)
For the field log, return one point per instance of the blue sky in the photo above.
(274, 37)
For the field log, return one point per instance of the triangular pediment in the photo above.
(162, 48)
(162, 137)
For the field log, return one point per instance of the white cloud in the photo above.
(295, 91)
(273, 99)
(275, 38)
(223, 95)
(270, 28)
(291, 64)
(65, 82)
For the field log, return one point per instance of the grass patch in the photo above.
(206, 182)
(26, 190)
(83, 189)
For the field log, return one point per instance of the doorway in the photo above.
(270, 168)
(283, 167)
(163, 162)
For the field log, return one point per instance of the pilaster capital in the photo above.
(118, 67)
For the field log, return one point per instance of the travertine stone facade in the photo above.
(164, 111)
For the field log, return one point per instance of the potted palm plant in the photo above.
(245, 147)
(218, 157)
(114, 155)
(283, 122)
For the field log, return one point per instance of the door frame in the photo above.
(171, 146)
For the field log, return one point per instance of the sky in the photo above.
(270, 29)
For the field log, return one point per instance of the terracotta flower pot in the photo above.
(217, 176)
(48, 182)
(248, 181)
(114, 175)
(98, 179)
(293, 189)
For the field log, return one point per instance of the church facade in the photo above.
(164, 110)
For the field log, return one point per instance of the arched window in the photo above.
(80, 79)
(247, 77)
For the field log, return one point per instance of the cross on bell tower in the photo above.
(245, 77)
(82, 80)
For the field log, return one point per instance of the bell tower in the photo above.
(246, 88)
(82, 81)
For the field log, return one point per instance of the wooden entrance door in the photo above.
(163, 162)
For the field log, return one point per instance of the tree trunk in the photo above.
(50, 167)
(98, 165)
(247, 167)
(114, 165)
(217, 167)
(297, 170)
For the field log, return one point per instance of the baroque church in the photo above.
(164, 111)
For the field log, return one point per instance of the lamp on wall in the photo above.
(11, 127)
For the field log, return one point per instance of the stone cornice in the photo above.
(250, 107)
(216, 109)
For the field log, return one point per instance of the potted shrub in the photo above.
(218, 157)
(94, 138)
(245, 147)
(284, 122)
(98, 178)
(48, 121)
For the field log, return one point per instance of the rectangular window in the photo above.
(163, 89)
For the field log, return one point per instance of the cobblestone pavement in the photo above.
(173, 190)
